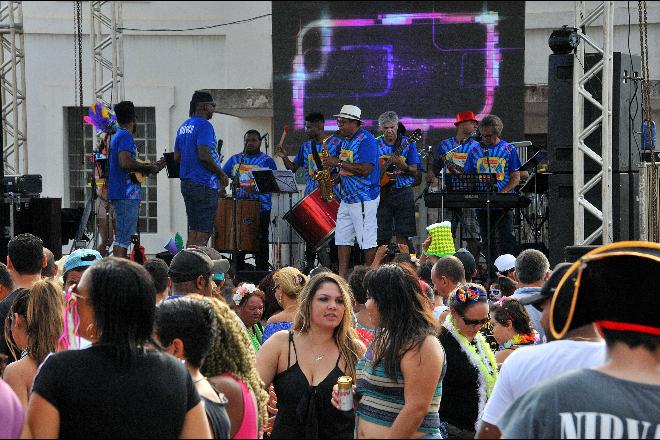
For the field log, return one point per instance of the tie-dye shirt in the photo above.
(361, 148)
(457, 157)
(409, 153)
(305, 159)
(259, 160)
(501, 159)
(120, 185)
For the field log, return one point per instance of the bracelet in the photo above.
(341, 163)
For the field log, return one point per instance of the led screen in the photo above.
(425, 60)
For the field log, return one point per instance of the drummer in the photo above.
(254, 158)
(314, 129)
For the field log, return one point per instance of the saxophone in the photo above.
(323, 177)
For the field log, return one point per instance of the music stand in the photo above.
(274, 181)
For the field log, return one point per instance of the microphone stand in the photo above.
(236, 184)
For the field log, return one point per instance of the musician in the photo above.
(396, 210)
(124, 192)
(105, 216)
(240, 166)
(360, 188)
(315, 131)
(496, 156)
(453, 153)
(195, 151)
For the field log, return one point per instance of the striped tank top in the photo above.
(382, 399)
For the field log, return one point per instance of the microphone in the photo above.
(475, 135)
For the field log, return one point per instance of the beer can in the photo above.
(345, 385)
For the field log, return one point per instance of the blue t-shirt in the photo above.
(120, 186)
(409, 153)
(305, 159)
(259, 160)
(457, 157)
(362, 148)
(194, 132)
(502, 159)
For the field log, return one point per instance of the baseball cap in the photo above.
(548, 288)
(467, 259)
(81, 258)
(505, 262)
(188, 264)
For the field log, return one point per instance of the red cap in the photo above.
(465, 116)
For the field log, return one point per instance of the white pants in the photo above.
(357, 221)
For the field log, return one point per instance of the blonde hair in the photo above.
(232, 353)
(291, 281)
(344, 335)
(42, 307)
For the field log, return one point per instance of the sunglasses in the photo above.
(475, 322)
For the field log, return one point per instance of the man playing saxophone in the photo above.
(360, 188)
(314, 128)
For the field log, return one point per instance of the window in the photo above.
(80, 165)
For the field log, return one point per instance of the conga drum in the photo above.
(247, 219)
(314, 219)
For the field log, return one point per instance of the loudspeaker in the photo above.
(625, 204)
(4, 230)
(573, 253)
(626, 113)
(41, 217)
(251, 276)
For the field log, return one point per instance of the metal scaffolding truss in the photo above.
(12, 88)
(581, 151)
(107, 47)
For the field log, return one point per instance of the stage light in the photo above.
(564, 40)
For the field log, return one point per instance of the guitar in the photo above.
(388, 177)
(138, 177)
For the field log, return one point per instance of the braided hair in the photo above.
(232, 353)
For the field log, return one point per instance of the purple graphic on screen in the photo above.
(378, 65)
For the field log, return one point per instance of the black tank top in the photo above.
(216, 413)
(305, 411)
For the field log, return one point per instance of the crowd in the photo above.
(105, 347)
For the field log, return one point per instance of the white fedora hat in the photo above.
(349, 112)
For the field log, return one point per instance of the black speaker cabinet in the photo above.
(41, 217)
(625, 204)
(626, 113)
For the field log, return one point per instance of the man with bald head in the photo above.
(447, 273)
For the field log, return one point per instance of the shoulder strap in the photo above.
(288, 358)
(316, 156)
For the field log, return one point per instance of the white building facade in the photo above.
(162, 69)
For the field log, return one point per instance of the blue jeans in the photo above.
(126, 218)
(201, 205)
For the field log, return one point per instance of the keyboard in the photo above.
(475, 200)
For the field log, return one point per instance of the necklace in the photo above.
(199, 380)
(481, 357)
(317, 358)
(255, 337)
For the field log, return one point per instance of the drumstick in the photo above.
(284, 132)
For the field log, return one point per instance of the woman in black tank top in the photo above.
(185, 328)
(325, 347)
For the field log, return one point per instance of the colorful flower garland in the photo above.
(528, 339)
(476, 357)
(242, 290)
